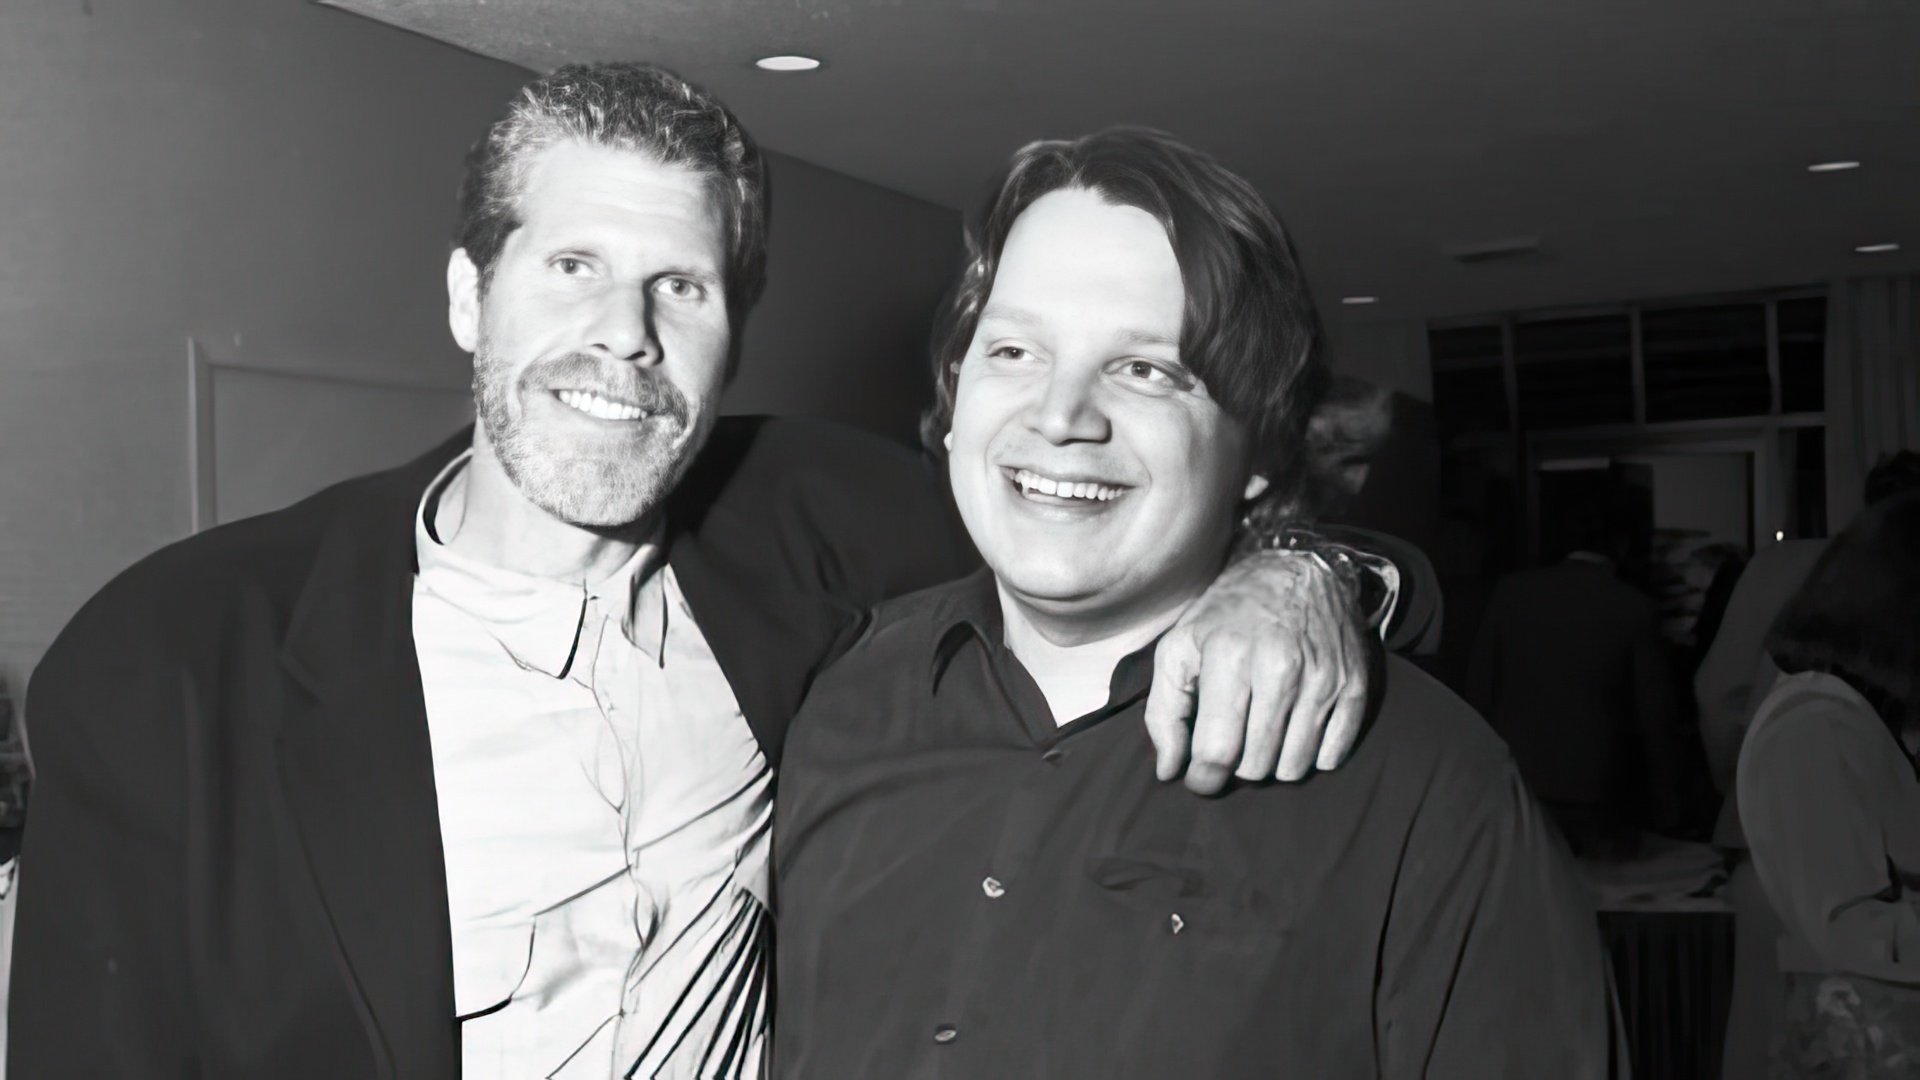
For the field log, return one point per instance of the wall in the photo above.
(1390, 352)
(266, 175)
(854, 273)
(275, 179)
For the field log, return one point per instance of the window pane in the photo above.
(1803, 354)
(1464, 344)
(1706, 362)
(1809, 509)
(1575, 372)
(1469, 383)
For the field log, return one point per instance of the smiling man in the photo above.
(465, 768)
(976, 876)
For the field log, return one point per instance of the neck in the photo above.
(483, 515)
(1072, 657)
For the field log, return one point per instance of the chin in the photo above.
(1058, 581)
(599, 492)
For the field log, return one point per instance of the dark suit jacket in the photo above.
(233, 863)
(1570, 668)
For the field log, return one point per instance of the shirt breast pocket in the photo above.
(1179, 875)
(1174, 916)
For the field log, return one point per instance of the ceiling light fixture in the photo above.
(1832, 166)
(1876, 249)
(1357, 300)
(786, 63)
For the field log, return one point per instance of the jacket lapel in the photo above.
(358, 769)
(769, 638)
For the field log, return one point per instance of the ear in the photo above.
(947, 441)
(1256, 487)
(463, 300)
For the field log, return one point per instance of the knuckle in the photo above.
(1215, 750)
(1229, 642)
(1174, 652)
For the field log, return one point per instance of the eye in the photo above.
(680, 288)
(569, 265)
(1151, 377)
(1146, 372)
(1008, 352)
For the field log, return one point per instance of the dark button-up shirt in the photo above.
(966, 889)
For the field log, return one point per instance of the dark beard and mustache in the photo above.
(600, 484)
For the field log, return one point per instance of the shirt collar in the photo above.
(970, 613)
(538, 620)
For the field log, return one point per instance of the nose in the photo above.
(1067, 410)
(623, 327)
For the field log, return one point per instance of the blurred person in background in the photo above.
(1570, 668)
(1344, 435)
(1733, 678)
(1831, 804)
(1736, 672)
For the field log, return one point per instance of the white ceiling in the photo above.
(1656, 147)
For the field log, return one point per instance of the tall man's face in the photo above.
(601, 343)
(1094, 472)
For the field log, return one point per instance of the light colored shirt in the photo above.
(605, 813)
(1832, 812)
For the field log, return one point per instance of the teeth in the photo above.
(1031, 482)
(596, 406)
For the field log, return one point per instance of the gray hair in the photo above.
(627, 106)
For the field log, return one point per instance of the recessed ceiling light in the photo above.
(1356, 300)
(786, 63)
(1832, 166)
(1876, 249)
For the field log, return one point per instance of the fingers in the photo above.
(1170, 701)
(1349, 707)
(1275, 677)
(1308, 722)
(1220, 724)
(1330, 706)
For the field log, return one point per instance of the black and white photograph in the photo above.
(959, 540)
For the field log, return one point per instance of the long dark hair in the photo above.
(1858, 615)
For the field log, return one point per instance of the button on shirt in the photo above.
(605, 814)
(968, 890)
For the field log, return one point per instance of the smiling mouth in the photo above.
(598, 407)
(1040, 487)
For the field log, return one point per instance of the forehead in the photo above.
(1073, 253)
(574, 183)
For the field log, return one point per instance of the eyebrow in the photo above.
(713, 277)
(705, 277)
(1031, 321)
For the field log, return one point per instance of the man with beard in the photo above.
(465, 768)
